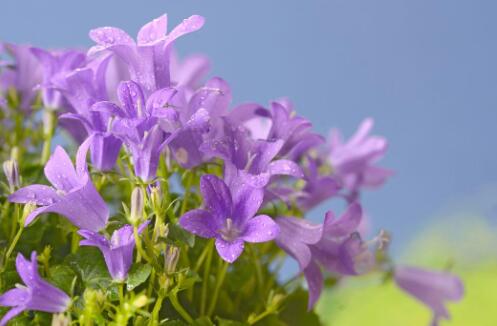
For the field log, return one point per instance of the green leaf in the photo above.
(178, 235)
(295, 310)
(186, 280)
(62, 276)
(203, 321)
(138, 274)
(91, 268)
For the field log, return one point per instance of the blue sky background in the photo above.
(425, 70)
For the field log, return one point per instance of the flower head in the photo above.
(334, 245)
(72, 194)
(228, 217)
(353, 161)
(430, 287)
(37, 294)
(147, 59)
(117, 252)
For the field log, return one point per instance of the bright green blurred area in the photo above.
(463, 244)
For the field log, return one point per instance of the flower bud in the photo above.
(11, 172)
(171, 257)
(137, 205)
(156, 197)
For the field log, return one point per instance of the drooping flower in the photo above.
(23, 74)
(433, 288)
(117, 252)
(37, 294)
(354, 161)
(148, 58)
(334, 245)
(228, 217)
(73, 194)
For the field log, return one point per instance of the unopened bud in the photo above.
(171, 257)
(156, 197)
(137, 205)
(11, 172)
(28, 209)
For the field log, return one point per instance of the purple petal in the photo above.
(200, 222)
(265, 152)
(131, 97)
(60, 171)
(14, 297)
(217, 196)
(11, 314)
(229, 251)
(105, 151)
(348, 223)
(94, 239)
(109, 36)
(285, 167)
(28, 270)
(314, 279)
(246, 202)
(189, 25)
(39, 194)
(215, 97)
(261, 228)
(153, 31)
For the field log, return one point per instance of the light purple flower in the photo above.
(283, 124)
(248, 160)
(228, 217)
(73, 194)
(82, 88)
(23, 74)
(335, 245)
(354, 161)
(188, 72)
(37, 294)
(55, 65)
(432, 288)
(117, 252)
(148, 58)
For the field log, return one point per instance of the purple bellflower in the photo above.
(148, 58)
(335, 245)
(24, 74)
(55, 65)
(248, 160)
(73, 194)
(117, 252)
(430, 287)
(228, 217)
(82, 88)
(37, 294)
(353, 161)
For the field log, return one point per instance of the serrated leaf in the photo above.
(90, 266)
(138, 274)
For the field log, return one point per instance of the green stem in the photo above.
(263, 315)
(179, 308)
(220, 279)
(13, 243)
(155, 313)
(205, 279)
(48, 132)
(121, 292)
(74, 242)
(14, 222)
(138, 242)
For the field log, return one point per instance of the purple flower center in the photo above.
(229, 232)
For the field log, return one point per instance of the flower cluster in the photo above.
(248, 174)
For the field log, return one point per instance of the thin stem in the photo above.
(13, 243)
(48, 132)
(138, 243)
(74, 242)
(155, 313)
(121, 292)
(263, 315)
(14, 222)
(220, 279)
(205, 279)
(179, 308)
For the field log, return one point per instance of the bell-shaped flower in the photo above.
(432, 288)
(148, 58)
(72, 194)
(228, 217)
(353, 162)
(334, 245)
(117, 252)
(37, 294)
